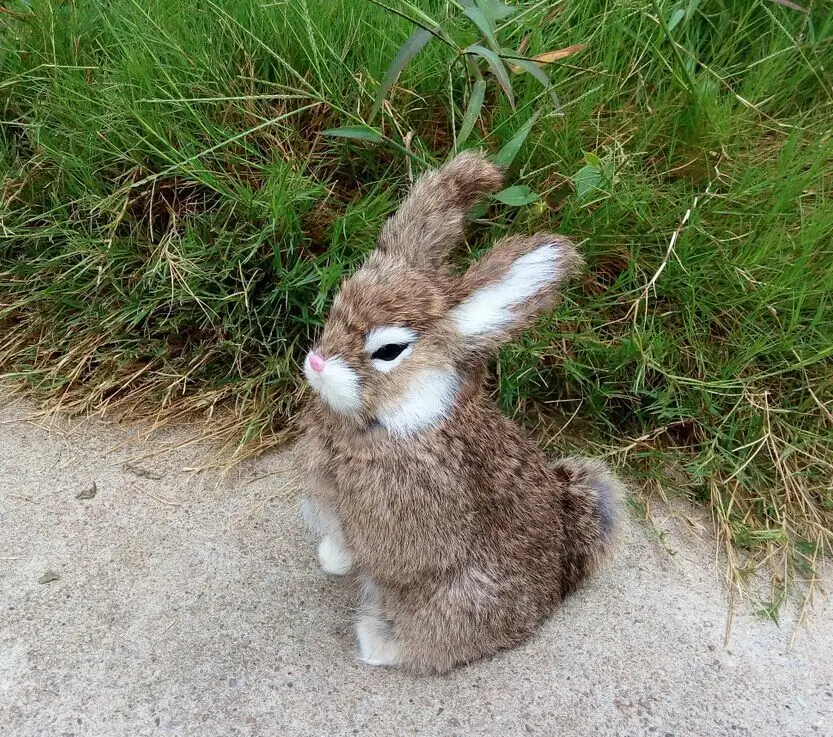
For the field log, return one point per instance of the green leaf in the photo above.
(517, 196)
(495, 9)
(478, 17)
(418, 18)
(425, 20)
(497, 66)
(676, 17)
(472, 113)
(359, 132)
(587, 179)
(508, 153)
(412, 46)
(542, 77)
(691, 9)
(592, 159)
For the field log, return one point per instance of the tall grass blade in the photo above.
(507, 154)
(498, 69)
(357, 132)
(419, 18)
(484, 25)
(532, 68)
(791, 5)
(472, 113)
(412, 46)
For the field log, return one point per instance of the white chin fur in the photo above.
(337, 385)
(490, 309)
(427, 401)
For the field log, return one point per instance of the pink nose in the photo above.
(316, 362)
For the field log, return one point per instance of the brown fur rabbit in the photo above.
(464, 535)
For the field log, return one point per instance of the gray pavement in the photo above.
(182, 603)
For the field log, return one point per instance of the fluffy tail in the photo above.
(593, 508)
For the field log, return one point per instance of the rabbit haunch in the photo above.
(463, 534)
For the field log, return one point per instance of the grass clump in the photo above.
(174, 222)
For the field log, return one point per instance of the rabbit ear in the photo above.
(431, 220)
(503, 292)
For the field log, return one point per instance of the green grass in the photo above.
(174, 224)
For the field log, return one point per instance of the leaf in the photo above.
(586, 180)
(791, 5)
(517, 196)
(676, 17)
(541, 76)
(420, 17)
(592, 159)
(548, 57)
(142, 472)
(49, 577)
(359, 132)
(88, 493)
(508, 153)
(496, 9)
(412, 46)
(497, 66)
(478, 17)
(472, 113)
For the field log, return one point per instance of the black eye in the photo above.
(389, 352)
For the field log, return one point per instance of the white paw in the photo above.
(333, 557)
(375, 646)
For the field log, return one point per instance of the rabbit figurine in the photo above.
(464, 536)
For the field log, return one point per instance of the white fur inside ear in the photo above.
(337, 384)
(427, 401)
(490, 309)
(386, 335)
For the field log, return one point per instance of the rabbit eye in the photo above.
(389, 352)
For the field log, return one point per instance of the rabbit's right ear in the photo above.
(432, 218)
(502, 293)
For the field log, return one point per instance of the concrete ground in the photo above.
(180, 604)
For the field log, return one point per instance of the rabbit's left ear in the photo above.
(502, 293)
(431, 220)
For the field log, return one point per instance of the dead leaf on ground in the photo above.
(48, 577)
(142, 472)
(87, 493)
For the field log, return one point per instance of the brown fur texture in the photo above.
(463, 534)
(432, 220)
